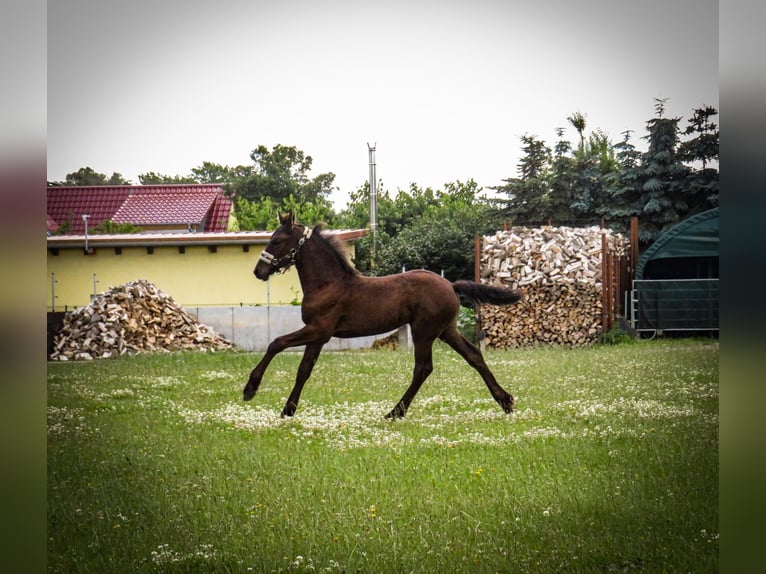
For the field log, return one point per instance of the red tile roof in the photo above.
(202, 205)
(218, 218)
(168, 206)
(66, 205)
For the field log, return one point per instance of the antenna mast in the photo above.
(373, 202)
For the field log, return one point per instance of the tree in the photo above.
(109, 227)
(704, 146)
(623, 186)
(562, 180)
(594, 161)
(577, 120)
(527, 194)
(441, 237)
(281, 173)
(210, 172)
(262, 215)
(87, 176)
(154, 178)
(702, 149)
(394, 214)
(665, 197)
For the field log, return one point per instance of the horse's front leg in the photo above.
(310, 356)
(305, 336)
(256, 375)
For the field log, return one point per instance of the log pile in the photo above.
(559, 271)
(132, 318)
(390, 343)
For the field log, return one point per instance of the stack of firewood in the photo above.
(390, 343)
(559, 271)
(131, 318)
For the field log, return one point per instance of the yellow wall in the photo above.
(197, 277)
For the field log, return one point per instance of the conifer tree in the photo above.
(527, 194)
(702, 150)
(665, 198)
(624, 184)
(562, 181)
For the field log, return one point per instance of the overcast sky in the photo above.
(444, 88)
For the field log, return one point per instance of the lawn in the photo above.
(608, 464)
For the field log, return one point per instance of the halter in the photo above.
(289, 259)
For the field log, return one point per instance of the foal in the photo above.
(339, 301)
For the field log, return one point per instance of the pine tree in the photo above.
(562, 181)
(527, 194)
(702, 149)
(664, 199)
(624, 184)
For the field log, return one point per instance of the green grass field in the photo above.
(609, 464)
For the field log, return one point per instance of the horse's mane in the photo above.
(334, 247)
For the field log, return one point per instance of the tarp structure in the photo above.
(688, 250)
(676, 279)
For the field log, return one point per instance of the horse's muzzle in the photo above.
(262, 271)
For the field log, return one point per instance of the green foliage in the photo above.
(617, 336)
(208, 172)
(594, 162)
(609, 464)
(466, 323)
(108, 226)
(664, 198)
(280, 174)
(599, 180)
(427, 229)
(64, 226)
(88, 176)
(702, 148)
(578, 122)
(623, 184)
(527, 195)
(154, 178)
(263, 215)
(562, 181)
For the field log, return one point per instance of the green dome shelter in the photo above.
(675, 286)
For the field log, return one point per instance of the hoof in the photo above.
(288, 411)
(396, 413)
(508, 404)
(247, 395)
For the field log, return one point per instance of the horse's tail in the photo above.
(471, 293)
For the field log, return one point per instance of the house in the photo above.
(154, 208)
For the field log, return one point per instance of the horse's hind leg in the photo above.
(423, 367)
(310, 356)
(474, 358)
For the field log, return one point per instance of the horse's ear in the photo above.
(287, 219)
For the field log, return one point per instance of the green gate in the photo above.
(675, 305)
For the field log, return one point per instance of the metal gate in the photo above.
(674, 305)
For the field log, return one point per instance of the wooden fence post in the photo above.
(604, 285)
